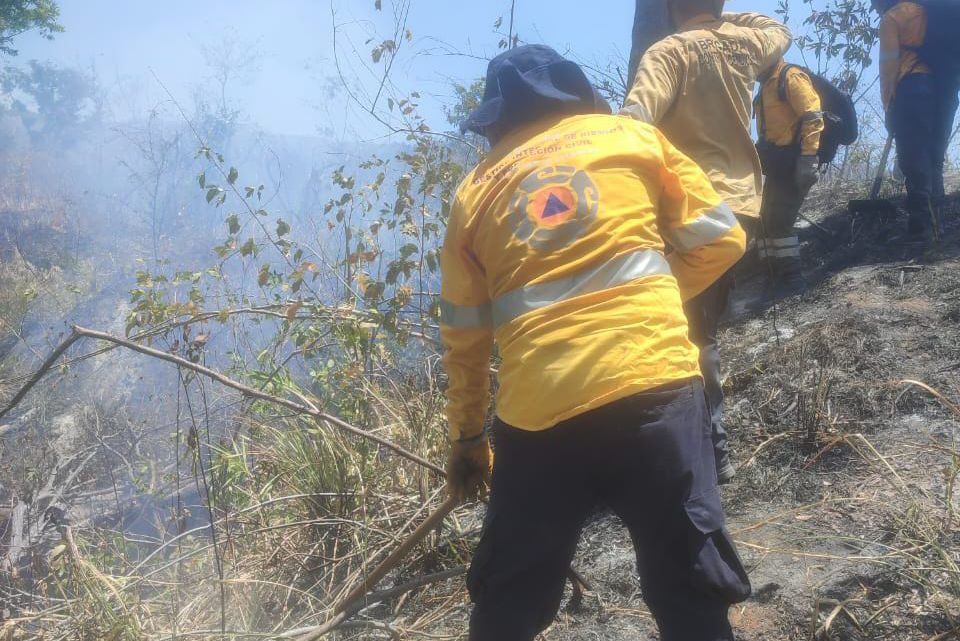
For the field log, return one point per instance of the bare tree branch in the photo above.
(249, 392)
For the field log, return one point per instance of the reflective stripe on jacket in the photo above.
(902, 30)
(555, 246)
(799, 118)
(697, 87)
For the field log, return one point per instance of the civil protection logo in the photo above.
(553, 207)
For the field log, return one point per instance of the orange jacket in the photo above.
(902, 30)
(555, 250)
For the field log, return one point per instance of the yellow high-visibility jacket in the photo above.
(902, 30)
(781, 122)
(697, 85)
(555, 248)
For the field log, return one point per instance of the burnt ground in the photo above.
(843, 507)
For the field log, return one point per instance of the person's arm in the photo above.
(774, 38)
(651, 22)
(704, 233)
(466, 329)
(889, 59)
(655, 85)
(805, 101)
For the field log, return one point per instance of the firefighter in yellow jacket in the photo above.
(554, 251)
(696, 86)
(789, 123)
(920, 108)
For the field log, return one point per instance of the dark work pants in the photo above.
(649, 458)
(778, 244)
(703, 315)
(923, 111)
(782, 200)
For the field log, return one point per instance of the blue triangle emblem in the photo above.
(554, 206)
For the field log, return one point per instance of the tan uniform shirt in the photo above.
(697, 85)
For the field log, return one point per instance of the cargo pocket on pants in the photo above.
(716, 567)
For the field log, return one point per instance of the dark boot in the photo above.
(919, 236)
(781, 258)
(788, 277)
(920, 224)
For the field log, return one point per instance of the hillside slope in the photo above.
(844, 505)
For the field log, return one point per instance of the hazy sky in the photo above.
(288, 92)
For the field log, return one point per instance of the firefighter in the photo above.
(554, 251)
(789, 123)
(920, 107)
(696, 86)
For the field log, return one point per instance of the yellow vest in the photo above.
(555, 250)
(797, 118)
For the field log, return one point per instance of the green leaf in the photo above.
(233, 224)
(248, 247)
(282, 228)
(233, 175)
(202, 179)
(212, 193)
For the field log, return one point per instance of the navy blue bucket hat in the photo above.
(531, 82)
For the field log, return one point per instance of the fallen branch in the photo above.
(397, 555)
(358, 598)
(249, 392)
(943, 636)
(953, 407)
(372, 599)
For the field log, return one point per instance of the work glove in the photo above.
(806, 174)
(468, 468)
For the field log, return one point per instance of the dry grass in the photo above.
(300, 513)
